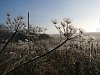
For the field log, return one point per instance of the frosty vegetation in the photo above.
(32, 52)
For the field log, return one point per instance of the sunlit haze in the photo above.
(84, 13)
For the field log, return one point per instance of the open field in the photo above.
(71, 58)
(49, 37)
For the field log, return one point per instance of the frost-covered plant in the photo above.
(25, 46)
(91, 41)
(36, 30)
(39, 30)
(16, 24)
(66, 28)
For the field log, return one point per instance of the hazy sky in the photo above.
(84, 13)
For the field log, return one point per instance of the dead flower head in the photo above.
(67, 20)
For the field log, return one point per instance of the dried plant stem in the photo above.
(8, 42)
(36, 58)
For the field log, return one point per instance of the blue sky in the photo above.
(84, 13)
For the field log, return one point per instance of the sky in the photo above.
(85, 14)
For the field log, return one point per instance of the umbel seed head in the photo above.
(21, 17)
(67, 20)
(54, 21)
(8, 14)
(63, 23)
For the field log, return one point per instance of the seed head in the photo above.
(18, 18)
(71, 27)
(7, 22)
(58, 28)
(92, 37)
(15, 20)
(21, 17)
(8, 19)
(54, 21)
(63, 23)
(67, 20)
(8, 14)
(81, 31)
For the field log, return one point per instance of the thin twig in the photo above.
(7, 42)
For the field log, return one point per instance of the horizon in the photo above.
(84, 14)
